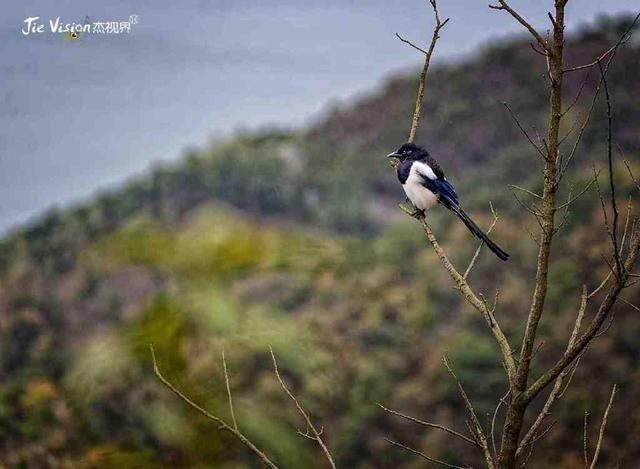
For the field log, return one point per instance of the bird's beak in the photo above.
(394, 159)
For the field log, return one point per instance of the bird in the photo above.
(425, 185)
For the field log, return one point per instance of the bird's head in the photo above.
(408, 151)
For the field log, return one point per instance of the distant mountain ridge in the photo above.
(316, 175)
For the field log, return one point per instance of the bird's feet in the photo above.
(417, 213)
(413, 211)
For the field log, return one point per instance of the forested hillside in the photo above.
(293, 239)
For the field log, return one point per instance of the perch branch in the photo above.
(469, 295)
(423, 75)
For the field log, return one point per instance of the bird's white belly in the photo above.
(420, 196)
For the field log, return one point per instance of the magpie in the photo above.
(424, 183)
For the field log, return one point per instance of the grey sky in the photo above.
(75, 117)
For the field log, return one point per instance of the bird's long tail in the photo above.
(478, 233)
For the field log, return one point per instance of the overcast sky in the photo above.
(79, 116)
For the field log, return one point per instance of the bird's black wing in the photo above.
(440, 186)
(433, 164)
(447, 196)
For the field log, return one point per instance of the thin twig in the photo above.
(585, 441)
(504, 6)
(623, 39)
(477, 253)
(531, 210)
(603, 424)
(565, 166)
(493, 422)
(612, 52)
(423, 75)
(577, 96)
(557, 391)
(604, 282)
(542, 434)
(633, 178)
(566, 136)
(571, 375)
(612, 187)
(571, 200)
(411, 44)
(526, 191)
(477, 427)
(302, 412)
(601, 315)
(606, 328)
(533, 144)
(430, 425)
(565, 215)
(424, 456)
(605, 216)
(628, 303)
(226, 382)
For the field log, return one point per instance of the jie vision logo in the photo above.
(33, 25)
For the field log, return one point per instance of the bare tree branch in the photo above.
(585, 440)
(468, 294)
(526, 191)
(633, 178)
(556, 163)
(226, 382)
(476, 426)
(557, 391)
(612, 186)
(578, 94)
(424, 456)
(565, 165)
(518, 404)
(411, 44)
(423, 75)
(477, 253)
(430, 425)
(612, 53)
(628, 303)
(623, 39)
(536, 214)
(571, 200)
(222, 424)
(504, 6)
(533, 144)
(601, 315)
(493, 422)
(603, 424)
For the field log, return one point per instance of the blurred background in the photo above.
(215, 177)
